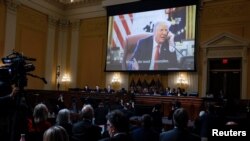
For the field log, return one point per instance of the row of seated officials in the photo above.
(160, 91)
(97, 90)
(137, 91)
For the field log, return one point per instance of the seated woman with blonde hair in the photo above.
(55, 133)
(39, 123)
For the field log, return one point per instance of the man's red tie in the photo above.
(157, 54)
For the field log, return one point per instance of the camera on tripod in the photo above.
(16, 69)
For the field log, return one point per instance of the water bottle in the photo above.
(22, 137)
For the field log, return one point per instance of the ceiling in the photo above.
(71, 4)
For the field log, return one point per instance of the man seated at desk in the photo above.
(86, 89)
(109, 90)
(97, 90)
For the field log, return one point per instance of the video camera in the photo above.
(16, 69)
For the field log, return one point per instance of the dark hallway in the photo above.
(225, 78)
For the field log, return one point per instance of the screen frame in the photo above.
(148, 5)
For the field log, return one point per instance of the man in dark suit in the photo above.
(97, 90)
(146, 132)
(86, 89)
(180, 132)
(156, 52)
(117, 127)
(109, 90)
(85, 129)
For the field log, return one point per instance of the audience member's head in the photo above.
(146, 121)
(63, 116)
(87, 112)
(55, 133)
(177, 104)
(117, 122)
(40, 113)
(180, 118)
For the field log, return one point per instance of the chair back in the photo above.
(129, 45)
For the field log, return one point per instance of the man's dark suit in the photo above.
(85, 131)
(108, 91)
(119, 137)
(177, 134)
(144, 134)
(143, 55)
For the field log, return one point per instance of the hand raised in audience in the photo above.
(15, 90)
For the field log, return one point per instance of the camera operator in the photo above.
(9, 97)
(14, 108)
(7, 104)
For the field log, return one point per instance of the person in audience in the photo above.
(55, 133)
(117, 104)
(9, 97)
(73, 107)
(157, 118)
(145, 132)
(180, 132)
(85, 130)
(39, 123)
(128, 109)
(200, 125)
(63, 119)
(8, 108)
(100, 112)
(134, 123)
(60, 103)
(117, 127)
(175, 105)
(208, 119)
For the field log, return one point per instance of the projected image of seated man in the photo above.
(156, 52)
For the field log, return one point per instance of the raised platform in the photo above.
(192, 104)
